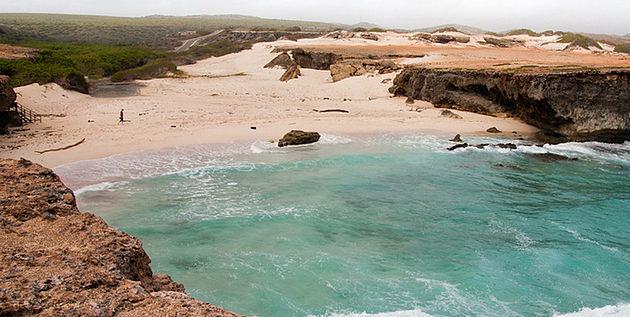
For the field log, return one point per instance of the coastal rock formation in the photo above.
(283, 60)
(369, 36)
(450, 114)
(579, 105)
(57, 261)
(297, 137)
(292, 72)
(7, 94)
(357, 67)
(498, 42)
(314, 60)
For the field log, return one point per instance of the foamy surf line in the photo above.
(272, 147)
(400, 313)
(619, 310)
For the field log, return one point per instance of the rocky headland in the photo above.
(577, 105)
(58, 261)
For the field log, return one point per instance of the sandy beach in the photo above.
(220, 102)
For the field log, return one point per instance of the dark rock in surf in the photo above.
(551, 157)
(458, 146)
(298, 137)
(457, 138)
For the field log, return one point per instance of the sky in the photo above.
(594, 16)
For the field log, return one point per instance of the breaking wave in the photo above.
(620, 310)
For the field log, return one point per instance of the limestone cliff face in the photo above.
(580, 105)
(7, 95)
(57, 261)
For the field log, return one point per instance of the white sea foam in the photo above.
(585, 150)
(400, 313)
(334, 139)
(620, 310)
(579, 237)
(97, 187)
(271, 147)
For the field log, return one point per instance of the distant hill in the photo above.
(365, 25)
(462, 28)
(154, 31)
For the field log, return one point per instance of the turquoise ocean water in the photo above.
(378, 226)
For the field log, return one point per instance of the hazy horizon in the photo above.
(608, 16)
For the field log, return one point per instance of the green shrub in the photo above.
(359, 29)
(623, 48)
(294, 29)
(56, 61)
(523, 32)
(216, 49)
(377, 30)
(495, 34)
(579, 40)
(446, 29)
(153, 69)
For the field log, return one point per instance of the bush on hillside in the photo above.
(523, 32)
(153, 69)
(623, 48)
(579, 40)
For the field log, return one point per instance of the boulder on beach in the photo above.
(450, 114)
(493, 130)
(283, 60)
(292, 72)
(298, 137)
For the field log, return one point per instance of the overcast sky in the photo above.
(597, 16)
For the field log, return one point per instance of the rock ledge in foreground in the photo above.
(58, 261)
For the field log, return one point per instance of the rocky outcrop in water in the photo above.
(57, 261)
(298, 137)
(576, 105)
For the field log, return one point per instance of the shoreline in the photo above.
(73, 172)
(213, 106)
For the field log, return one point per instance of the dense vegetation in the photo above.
(153, 31)
(579, 40)
(623, 48)
(55, 61)
(523, 32)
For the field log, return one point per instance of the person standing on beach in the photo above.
(122, 116)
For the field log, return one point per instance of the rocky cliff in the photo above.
(575, 105)
(57, 261)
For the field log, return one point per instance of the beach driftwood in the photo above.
(61, 148)
(332, 110)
